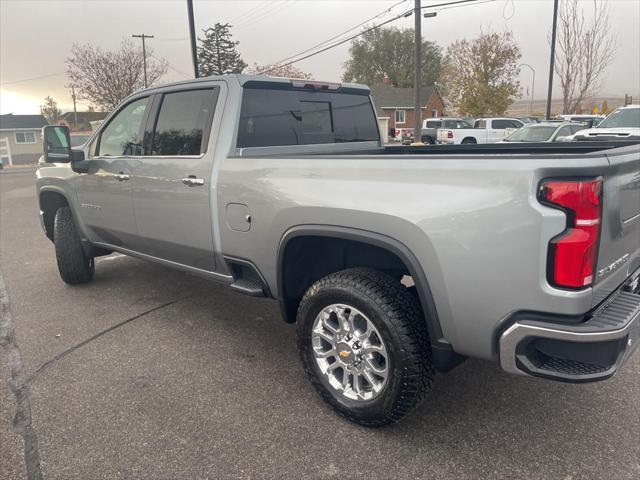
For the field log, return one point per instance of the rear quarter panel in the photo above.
(473, 223)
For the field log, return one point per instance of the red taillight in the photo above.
(449, 134)
(573, 254)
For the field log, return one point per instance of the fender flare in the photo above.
(443, 355)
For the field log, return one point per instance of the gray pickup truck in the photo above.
(394, 262)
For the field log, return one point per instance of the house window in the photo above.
(25, 137)
(400, 116)
(434, 113)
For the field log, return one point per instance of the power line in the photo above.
(343, 33)
(172, 67)
(266, 13)
(254, 12)
(33, 78)
(375, 27)
(405, 14)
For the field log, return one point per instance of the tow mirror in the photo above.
(57, 148)
(57, 144)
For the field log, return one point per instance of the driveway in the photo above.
(151, 373)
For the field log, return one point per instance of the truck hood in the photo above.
(628, 133)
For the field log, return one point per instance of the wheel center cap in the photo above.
(345, 353)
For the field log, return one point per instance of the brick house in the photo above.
(396, 104)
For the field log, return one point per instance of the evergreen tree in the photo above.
(217, 53)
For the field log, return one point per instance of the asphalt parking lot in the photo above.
(151, 373)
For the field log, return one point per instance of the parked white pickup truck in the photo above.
(485, 130)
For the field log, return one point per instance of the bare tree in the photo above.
(105, 78)
(50, 109)
(585, 49)
(288, 71)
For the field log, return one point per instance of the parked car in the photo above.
(394, 262)
(430, 127)
(588, 120)
(544, 132)
(529, 119)
(485, 130)
(621, 124)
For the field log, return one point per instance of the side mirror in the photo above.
(56, 144)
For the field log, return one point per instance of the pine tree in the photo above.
(217, 53)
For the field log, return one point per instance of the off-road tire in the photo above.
(397, 315)
(74, 266)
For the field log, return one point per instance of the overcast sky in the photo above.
(36, 36)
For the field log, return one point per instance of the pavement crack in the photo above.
(20, 384)
(75, 347)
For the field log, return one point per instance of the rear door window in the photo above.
(480, 124)
(182, 122)
(501, 124)
(277, 117)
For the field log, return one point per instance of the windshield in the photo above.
(622, 118)
(531, 133)
(457, 124)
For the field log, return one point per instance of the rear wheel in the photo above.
(364, 345)
(469, 141)
(74, 266)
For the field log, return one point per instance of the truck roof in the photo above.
(243, 79)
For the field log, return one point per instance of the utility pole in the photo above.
(192, 36)
(417, 77)
(144, 54)
(75, 111)
(553, 57)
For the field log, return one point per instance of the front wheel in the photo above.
(74, 266)
(364, 345)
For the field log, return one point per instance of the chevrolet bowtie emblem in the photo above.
(344, 353)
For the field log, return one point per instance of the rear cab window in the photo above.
(181, 127)
(279, 115)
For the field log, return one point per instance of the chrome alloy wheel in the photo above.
(349, 350)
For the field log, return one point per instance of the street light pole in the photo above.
(144, 55)
(417, 108)
(553, 56)
(192, 36)
(533, 83)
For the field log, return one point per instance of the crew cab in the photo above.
(485, 130)
(393, 262)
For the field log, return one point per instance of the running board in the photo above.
(248, 286)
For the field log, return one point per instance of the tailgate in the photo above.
(619, 253)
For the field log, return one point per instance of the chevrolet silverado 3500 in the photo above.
(393, 262)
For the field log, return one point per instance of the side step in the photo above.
(246, 278)
(248, 287)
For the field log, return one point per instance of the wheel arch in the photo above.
(50, 200)
(444, 356)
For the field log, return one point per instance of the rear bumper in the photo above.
(587, 351)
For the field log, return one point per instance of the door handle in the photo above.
(193, 181)
(122, 176)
